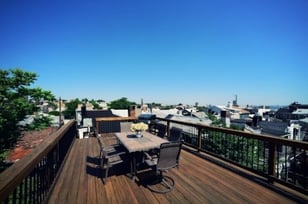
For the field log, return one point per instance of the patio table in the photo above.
(134, 145)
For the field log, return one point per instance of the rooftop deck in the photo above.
(199, 179)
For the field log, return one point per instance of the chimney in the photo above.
(225, 116)
(132, 111)
(83, 113)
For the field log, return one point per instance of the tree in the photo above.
(17, 100)
(100, 100)
(95, 105)
(70, 111)
(84, 100)
(121, 103)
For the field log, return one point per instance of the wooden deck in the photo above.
(198, 180)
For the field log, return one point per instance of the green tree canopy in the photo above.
(17, 100)
(70, 111)
(121, 103)
(95, 105)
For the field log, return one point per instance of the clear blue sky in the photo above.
(161, 50)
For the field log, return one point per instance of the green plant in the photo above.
(40, 122)
(121, 103)
(55, 113)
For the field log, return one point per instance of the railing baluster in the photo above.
(305, 167)
(14, 198)
(21, 193)
(168, 129)
(271, 161)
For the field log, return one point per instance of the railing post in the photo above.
(199, 138)
(271, 161)
(97, 127)
(168, 129)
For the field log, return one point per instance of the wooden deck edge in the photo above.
(59, 172)
(296, 196)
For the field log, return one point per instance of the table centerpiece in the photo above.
(138, 128)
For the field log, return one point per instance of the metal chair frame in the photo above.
(167, 158)
(110, 155)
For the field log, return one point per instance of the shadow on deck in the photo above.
(199, 179)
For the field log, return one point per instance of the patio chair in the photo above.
(125, 126)
(167, 158)
(159, 130)
(108, 147)
(175, 134)
(110, 155)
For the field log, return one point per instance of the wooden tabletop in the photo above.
(145, 143)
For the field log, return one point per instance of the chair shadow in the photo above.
(93, 168)
(93, 171)
(145, 178)
(148, 179)
(145, 175)
(93, 160)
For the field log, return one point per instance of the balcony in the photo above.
(216, 166)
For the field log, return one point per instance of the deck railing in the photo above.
(113, 124)
(279, 160)
(30, 179)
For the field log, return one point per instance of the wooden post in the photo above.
(97, 126)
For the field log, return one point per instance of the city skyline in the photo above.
(165, 52)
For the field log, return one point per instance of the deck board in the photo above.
(198, 180)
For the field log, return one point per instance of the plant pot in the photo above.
(138, 134)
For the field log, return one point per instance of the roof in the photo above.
(239, 110)
(283, 110)
(273, 128)
(305, 120)
(301, 111)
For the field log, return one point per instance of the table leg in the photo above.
(133, 166)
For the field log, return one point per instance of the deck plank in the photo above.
(197, 181)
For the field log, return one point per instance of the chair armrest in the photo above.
(148, 156)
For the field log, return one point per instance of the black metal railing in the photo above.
(30, 179)
(277, 159)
